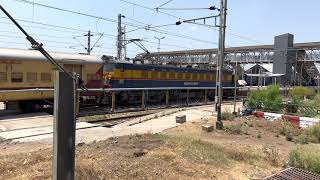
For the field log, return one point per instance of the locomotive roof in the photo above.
(34, 55)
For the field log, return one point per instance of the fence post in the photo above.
(64, 126)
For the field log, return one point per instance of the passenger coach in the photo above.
(30, 74)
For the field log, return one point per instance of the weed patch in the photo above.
(236, 129)
(198, 151)
(306, 158)
(227, 116)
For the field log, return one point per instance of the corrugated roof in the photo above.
(34, 55)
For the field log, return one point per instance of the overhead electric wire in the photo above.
(183, 9)
(151, 9)
(44, 40)
(74, 12)
(112, 20)
(234, 34)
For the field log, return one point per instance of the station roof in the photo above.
(34, 55)
(296, 46)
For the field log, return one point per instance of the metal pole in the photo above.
(119, 38)
(64, 127)
(159, 41)
(124, 43)
(318, 78)
(235, 87)
(222, 29)
(89, 42)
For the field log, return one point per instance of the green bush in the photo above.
(314, 102)
(301, 92)
(273, 99)
(255, 99)
(268, 99)
(306, 158)
(294, 105)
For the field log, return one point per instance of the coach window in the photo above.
(45, 77)
(3, 77)
(16, 77)
(180, 76)
(32, 77)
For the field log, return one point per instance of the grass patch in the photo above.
(314, 133)
(311, 134)
(236, 129)
(203, 152)
(198, 151)
(286, 129)
(227, 116)
(306, 158)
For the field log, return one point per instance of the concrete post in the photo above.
(64, 127)
(113, 101)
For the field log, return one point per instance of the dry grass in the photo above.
(306, 157)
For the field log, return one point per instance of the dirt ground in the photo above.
(183, 152)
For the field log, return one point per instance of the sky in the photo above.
(249, 22)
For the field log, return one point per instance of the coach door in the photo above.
(77, 68)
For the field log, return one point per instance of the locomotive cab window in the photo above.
(17, 77)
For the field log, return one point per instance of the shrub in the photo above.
(294, 105)
(226, 115)
(315, 102)
(268, 99)
(301, 92)
(302, 139)
(271, 155)
(314, 133)
(236, 129)
(306, 158)
(273, 99)
(255, 99)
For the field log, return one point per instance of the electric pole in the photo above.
(221, 49)
(89, 42)
(124, 43)
(119, 37)
(159, 41)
